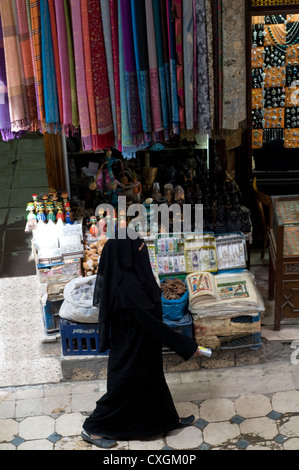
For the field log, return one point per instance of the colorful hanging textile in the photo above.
(141, 57)
(129, 144)
(161, 64)
(203, 103)
(153, 68)
(64, 67)
(210, 51)
(17, 109)
(105, 136)
(189, 65)
(105, 10)
(80, 74)
(131, 80)
(5, 126)
(56, 57)
(75, 114)
(50, 88)
(178, 21)
(26, 65)
(37, 59)
(115, 55)
(88, 73)
(173, 72)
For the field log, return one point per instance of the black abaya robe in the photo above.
(138, 403)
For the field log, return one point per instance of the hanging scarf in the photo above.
(178, 21)
(80, 74)
(161, 64)
(88, 73)
(173, 77)
(188, 52)
(5, 126)
(115, 54)
(50, 88)
(26, 64)
(75, 115)
(56, 57)
(131, 82)
(129, 147)
(203, 102)
(105, 137)
(209, 25)
(17, 109)
(105, 10)
(35, 22)
(153, 67)
(141, 57)
(64, 66)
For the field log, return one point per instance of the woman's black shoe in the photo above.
(184, 422)
(102, 442)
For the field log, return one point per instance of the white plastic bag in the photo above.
(78, 301)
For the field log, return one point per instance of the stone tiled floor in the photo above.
(249, 408)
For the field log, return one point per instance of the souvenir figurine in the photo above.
(94, 230)
(68, 214)
(122, 219)
(102, 222)
(64, 196)
(41, 216)
(45, 199)
(34, 198)
(105, 176)
(60, 214)
(137, 189)
(31, 218)
(113, 193)
(51, 215)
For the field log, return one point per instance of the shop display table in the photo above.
(284, 257)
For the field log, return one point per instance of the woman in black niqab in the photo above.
(138, 403)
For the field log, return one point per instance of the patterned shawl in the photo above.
(26, 64)
(64, 66)
(115, 53)
(56, 57)
(105, 137)
(141, 57)
(105, 10)
(88, 73)
(80, 74)
(17, 109)
(5, 126)
(178, 20)
(153, 68)
(161, 63)
(75, 114)
(50, 88)
(203, 101)
(175, 129)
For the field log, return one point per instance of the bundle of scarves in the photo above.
(126, 73)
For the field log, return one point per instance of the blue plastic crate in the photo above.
(51, 316)
(183, 326)
(78, 339)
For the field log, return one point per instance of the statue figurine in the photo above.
(41, 216)
(31, 218)
(51, 215)
(105, 176)
(113, 193)
(137, 189)
(68, 214)
(94, 229)
(60, 214)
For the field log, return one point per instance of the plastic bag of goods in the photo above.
(78, 301)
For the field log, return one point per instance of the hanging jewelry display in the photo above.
(275, 73)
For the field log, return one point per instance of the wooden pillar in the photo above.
(55, 161)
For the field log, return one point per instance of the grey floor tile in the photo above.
(25, 178)
(4, 197)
